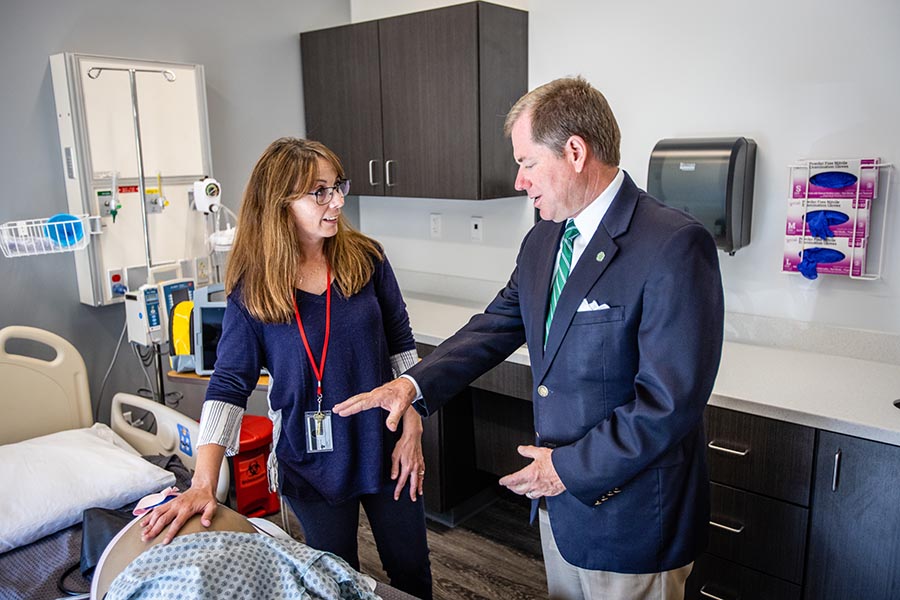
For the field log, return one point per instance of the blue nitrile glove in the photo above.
(813, 256)
(820, 222)
(834, 180)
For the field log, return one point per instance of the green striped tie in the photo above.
(562, 271)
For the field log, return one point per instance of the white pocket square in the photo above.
(586, 306)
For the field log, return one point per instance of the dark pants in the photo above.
(398, 527)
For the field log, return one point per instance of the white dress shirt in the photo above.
(588, 220)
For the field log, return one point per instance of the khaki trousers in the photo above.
(568, 582)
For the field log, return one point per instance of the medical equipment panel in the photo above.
(711, 179)
(134, 172)
(209, 310)
(175, 291)
(143, 316)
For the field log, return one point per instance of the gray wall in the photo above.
(251, 54)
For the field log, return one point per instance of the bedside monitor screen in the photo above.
(210, 334)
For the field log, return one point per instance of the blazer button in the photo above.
(543, 392)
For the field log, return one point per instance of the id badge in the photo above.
(318, 431)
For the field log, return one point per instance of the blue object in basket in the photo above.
(833, 179)
(64, 229)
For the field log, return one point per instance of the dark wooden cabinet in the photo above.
(854, 544)
(414, 105)
(760, 471)
(342, 97)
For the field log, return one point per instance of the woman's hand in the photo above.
(199, 499)
(176, 512)
(407, 460)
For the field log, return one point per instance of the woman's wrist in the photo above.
(412, 424)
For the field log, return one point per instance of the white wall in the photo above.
(804, 79)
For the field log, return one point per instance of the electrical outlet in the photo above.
(201, 270)
(115, 281)
(476, 229)
(435, 225)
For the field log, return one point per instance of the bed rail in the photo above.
(176, 433)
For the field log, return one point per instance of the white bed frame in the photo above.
(46, 396)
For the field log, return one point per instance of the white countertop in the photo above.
(835, 393)
(434, 320)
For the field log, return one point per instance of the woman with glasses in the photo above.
(316, 303)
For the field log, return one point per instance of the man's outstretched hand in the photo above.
(394, 396)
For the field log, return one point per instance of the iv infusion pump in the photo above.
(143, 316)
(147, 310)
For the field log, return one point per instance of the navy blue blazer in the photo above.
(618, 393)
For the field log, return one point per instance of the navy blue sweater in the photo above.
(366, 329)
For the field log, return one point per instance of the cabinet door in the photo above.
(429, 71)
(342, 94)
(854, 546)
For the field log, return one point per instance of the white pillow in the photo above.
(48, 481)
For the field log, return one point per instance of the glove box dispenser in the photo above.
(711, 179)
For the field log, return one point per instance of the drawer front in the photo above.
(760, 455)
(718, 579)
(758, 532)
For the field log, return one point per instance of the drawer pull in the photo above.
(706, 594)
(837, 470)
(739, 529)
(713, 446)
(372, 173)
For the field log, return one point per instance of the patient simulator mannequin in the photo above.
(126, 546)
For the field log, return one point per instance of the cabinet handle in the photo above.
(387, 173)
(706, 594)
(713, 446)
(372, 173)
(837, 470)
(727, 528)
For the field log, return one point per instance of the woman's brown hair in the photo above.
(266, 252)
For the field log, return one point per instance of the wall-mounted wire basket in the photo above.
(59, 233)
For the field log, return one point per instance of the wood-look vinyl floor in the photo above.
(494, 555)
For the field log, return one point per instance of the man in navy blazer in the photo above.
(623, 370)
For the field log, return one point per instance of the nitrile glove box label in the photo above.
(829, 249)
(836, 179)
(828, 217)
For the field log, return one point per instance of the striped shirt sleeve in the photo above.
(402, 361)
(220, 423)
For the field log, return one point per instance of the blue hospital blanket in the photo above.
(226, 564)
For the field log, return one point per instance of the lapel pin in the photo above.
(601, 256)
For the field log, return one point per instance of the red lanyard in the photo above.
(320, 370)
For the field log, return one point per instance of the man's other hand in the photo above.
(537, 479)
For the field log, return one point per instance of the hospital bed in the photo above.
(45, 396)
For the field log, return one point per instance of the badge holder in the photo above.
(318, 431)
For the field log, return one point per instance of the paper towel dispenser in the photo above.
(710, 178)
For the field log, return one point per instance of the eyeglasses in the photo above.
(324, 195)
